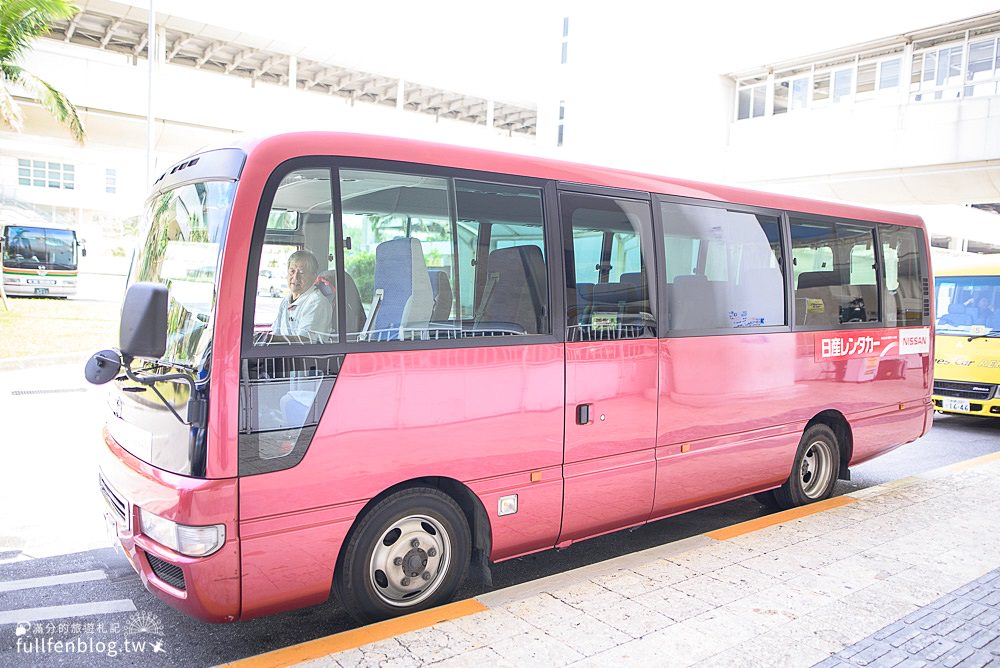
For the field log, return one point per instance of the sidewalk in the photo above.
(904, 574)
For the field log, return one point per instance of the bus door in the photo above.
(609, 466)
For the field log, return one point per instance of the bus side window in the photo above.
(398, 254)
(502, 275)
(723, 267)
(839, 291)
(294, 302)
(609, 244)
(906, 296)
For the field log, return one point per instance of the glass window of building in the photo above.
(842, 84)
(888, 73)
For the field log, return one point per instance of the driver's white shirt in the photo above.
(310, 315)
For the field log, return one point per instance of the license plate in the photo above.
(41, 291)
(955, 404)
(111, 526)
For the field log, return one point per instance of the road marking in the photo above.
(65, 611)
(726, 533)
(365, 635)
(67, 578)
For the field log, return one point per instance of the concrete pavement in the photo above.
(903, 574)
(51, 424)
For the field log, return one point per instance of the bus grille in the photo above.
(951, 388)
(172, 575)
(114, 501)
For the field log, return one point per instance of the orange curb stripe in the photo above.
(777, 518)
(972, 463)
(339, 642)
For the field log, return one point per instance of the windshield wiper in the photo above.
(988, 335)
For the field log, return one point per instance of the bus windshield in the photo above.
(30, 247)
(184, 230)
(969, 305)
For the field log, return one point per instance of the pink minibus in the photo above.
(469, 356)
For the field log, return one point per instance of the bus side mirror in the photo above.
(143, 331)
(83, 252)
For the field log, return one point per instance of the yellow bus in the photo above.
(967, 343)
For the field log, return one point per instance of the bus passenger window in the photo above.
(834, 273)
(502, 275)
(398, 250)
(608, 293)
(907, 288)
(295, 302)
(723, 268)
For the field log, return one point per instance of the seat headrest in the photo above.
(818, 279)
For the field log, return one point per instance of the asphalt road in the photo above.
(54, 530)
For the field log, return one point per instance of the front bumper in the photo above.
(966, 397)
(207, 588)
(981, 407)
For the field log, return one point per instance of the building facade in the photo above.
(910, 121)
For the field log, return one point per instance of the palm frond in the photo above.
(10, 111)
(23, 21)
(57, 103)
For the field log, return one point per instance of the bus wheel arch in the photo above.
(836, 421)
(441, 512)
(823, 449)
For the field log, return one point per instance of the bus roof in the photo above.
(968, 265)
(277, 148)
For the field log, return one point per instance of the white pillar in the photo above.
(400, 95)
(490, 108)
(293, 71)
(153, 46)
(905, 74)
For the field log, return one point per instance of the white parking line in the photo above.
(67, 578)
(65, 611)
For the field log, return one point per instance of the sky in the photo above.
(507, 50)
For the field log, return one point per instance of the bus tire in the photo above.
(814, 473)
(409, 552)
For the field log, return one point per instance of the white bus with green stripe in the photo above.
(40, 261)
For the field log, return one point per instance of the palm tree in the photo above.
(22, 22)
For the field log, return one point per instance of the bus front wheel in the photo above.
(409, 552)
(814, 473)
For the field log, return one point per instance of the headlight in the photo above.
(188, 540)
(12, 281)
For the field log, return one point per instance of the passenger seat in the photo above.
(402, 298)
(515, 292)
(443, 296)
(327, 285)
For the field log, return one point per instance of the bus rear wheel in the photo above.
(815, 471)
(409, 552)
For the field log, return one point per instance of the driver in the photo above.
(305, 311)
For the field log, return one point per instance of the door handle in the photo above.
(583, 414)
